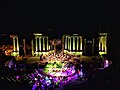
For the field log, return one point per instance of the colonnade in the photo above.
(102, 43)
(72, 43)
(41, 43)
(15, 43)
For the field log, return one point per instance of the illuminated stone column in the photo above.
(40, 43)
(70, 44)
(17, 44)
(14, 44)
(47, 44)
(24, 46)
(77, 43)
(49, 47)
(43, 43)
(65, 42)
(32, 45)
(73, 43)
(36, 44)
(105, 44)
(84, 45)
(99, 43)
(81, 43)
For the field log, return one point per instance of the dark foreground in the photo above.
(106, 79)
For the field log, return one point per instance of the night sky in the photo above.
(33, 16)
(62, 17)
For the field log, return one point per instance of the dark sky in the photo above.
(33, 16)
(19, 16)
